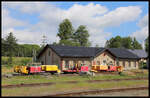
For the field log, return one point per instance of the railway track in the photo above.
(98, 91)
(70, 82)
(73, 74)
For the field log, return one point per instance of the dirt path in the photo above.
(87, 92)
(130, 93)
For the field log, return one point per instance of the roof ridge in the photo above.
(74, 46)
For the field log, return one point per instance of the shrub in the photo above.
(142, 65)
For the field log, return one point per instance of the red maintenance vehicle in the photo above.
(76, 68)
(34, 68)
(112, 68)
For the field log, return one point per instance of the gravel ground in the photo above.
(125, 93)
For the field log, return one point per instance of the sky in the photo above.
(29, 21)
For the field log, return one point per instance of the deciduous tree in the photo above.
(81, 36)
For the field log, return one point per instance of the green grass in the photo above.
(46, 90)
(43, 79)
(59, 87)
(53, 78)
(16, 60)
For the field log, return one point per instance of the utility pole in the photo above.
(34, 56)
(44, 41)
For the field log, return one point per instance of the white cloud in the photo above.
(8, 21)
(119, 15)
(142, 34)
(143, 22)
(95, 17)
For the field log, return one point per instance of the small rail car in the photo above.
(34, 69)
(119, 68)
(76, 68)
(112, 68)
(50, 68)
(97, 68)
(17, 69)
(24, 70)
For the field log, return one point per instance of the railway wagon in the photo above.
(34, 69)
(119, 68)
(30, 69)
(76, 68)
(99, 68)
(112, 68)
(17, 69)
(50, 68)
(24, 70)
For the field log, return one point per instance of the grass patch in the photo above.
(54, 78)
(46, 90)
(16, 60)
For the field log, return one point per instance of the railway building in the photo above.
(67, 56)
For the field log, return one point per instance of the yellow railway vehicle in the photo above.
(103, 67)
(119, 68)
(17, 69)
(99, 68)
(93, 68)
(24, 70)
(50, 68)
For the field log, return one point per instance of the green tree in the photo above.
(26, 50)
(3, 47)
(11, 44)
(54, 43)
(147, 44)
(127, 42)
(96, 45)
(114, 42)
(136, 44)
(65, 32)
(81, 36)
(123, 42)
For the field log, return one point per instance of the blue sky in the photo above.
(39, 18)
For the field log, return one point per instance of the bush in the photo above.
(142, 65)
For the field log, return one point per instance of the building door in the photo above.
(135, 64)
(129, 63)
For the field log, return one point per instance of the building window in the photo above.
(67, 64)
(111, 63)
(98, 62)
(104, 62)
(117, 63)
(83, 61)
(74, 62)
(129, 63)
(49, 53)
(135, 64)
(42, 62)
(123, 63)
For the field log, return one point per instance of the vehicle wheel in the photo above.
(52, 73)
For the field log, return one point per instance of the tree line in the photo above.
(123, 42)
(80, 37)
(10, 47)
